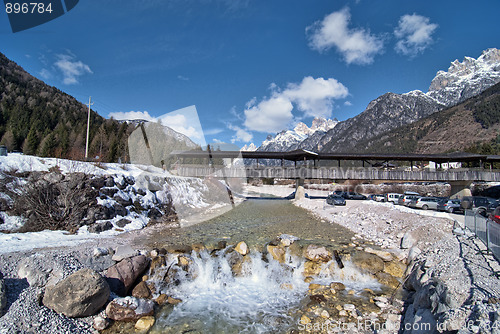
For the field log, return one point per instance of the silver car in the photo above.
(425, 203)
(450, 205)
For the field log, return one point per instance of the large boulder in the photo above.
(129, 309)
(81, 294)
(122, 275)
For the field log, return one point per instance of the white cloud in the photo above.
(356, 45)
(183, 78)
(241, 135)
(132, 115)
(71, 69)
(348, 103)
(414, 33)
(269, 115)
(211, 132)
(313, 97)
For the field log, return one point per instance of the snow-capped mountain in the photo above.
(463, 80)
(249, 148)
(466, 79)
(289, 140)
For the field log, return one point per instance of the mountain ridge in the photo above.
(390, 111)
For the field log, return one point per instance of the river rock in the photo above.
(337, 286)
(184, 261)
(81, 294)
(156, 263)
(384, 255)
(412, 255)
(145, 323)
(100, 227)
(394, 268)
(101, 323)
(3, 296)
(141, 290)
(34, 271)
(277, 252)
(122, 275)
(123, 252)
(369, 262)
(408, 241)
(287, 239)
(123, 222)
(242, 248)
(129, 309)
(317, 253)
(387, 280)
(236, 261)
(311, 268)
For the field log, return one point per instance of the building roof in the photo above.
(298, 155)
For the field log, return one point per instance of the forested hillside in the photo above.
(39, 119)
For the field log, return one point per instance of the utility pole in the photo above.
(88, 130)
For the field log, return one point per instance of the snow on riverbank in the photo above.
(150, 185)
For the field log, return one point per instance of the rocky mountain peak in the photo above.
(466, 79)
(302, 128)
(288, 140)
(323, 124)
(250, 147)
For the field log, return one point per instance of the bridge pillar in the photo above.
(299, 189)
(460, 189)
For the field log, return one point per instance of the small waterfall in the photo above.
(225, 292)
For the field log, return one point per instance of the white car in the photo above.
(392, 197)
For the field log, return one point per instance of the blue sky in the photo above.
(250, 67)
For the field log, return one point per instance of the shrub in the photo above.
(53, 206)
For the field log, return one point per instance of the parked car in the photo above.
(449, 205)
(335, 200)
(377, 198)
(353, 195)
(405, 199)
(477, 204)
(337, 193)
(495, 215)
(392, 197)
(493, 203)
(425, 203)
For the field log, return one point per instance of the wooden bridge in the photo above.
(343, 173)
(307, 165)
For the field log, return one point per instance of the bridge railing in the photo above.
(342, 173)
(486, 230)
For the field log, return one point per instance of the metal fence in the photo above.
(486, 230)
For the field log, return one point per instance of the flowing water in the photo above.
(264, 296)
(257, 221)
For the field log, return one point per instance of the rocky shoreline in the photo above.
(452, 284)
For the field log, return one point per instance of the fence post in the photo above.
(475, 224)
(487, 237)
